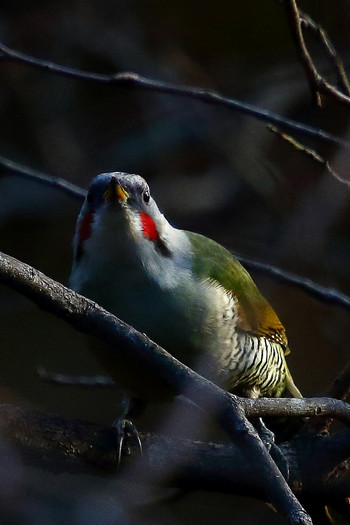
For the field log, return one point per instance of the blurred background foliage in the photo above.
(211, 170)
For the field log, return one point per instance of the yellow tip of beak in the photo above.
(115, 192)
(122, 194)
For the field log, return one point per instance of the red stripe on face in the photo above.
(85, 226)
(148, 227)
(84, 232)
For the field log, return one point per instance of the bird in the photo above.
(187, 292)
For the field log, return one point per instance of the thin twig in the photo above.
(338, 63)
(129, 79)
(48, 180)
(307, 151)
(318, 85)
(329, 295)
(132, 350)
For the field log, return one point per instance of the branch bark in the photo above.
(131, 349)
(53, 441)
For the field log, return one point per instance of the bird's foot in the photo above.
(126, 429)
(266, 435)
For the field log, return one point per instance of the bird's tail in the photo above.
(291, 387)
(285, 428)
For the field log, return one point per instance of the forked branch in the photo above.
(317, 83)
(130, 348)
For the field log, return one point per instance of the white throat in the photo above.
(168, 261)
(119, 249)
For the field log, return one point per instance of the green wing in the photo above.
(256, 316)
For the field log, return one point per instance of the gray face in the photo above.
(134, 185)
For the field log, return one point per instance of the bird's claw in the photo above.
(268, 438)
(125, 428)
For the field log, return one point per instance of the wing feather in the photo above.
(256, 315)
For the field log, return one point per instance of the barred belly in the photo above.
(257, 367)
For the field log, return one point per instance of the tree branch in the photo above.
(80, 446)
(308, 152)
(48, 180)
(131, 350)
(329, 295)
(319, 407)
(317, 83)
(322, 35)
(129, 79)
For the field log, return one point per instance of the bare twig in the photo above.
(48, 180)
(329, 295)
(131, 350)
(338, 64)
(307, 151)
(129, 79)
(318, 85)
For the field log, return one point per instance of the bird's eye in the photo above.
(146, 196)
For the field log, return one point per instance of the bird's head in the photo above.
(119, 201)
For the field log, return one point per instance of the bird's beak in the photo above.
(115, 192)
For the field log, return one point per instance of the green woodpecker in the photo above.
(185, 291)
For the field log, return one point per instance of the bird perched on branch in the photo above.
(185, 291)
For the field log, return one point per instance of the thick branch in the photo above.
(130, 349)
(80, 446)
(128, 79)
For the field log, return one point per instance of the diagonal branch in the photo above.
(131, 350)
(48, 180)
(129, 79)
(329, 295)
(308, 152)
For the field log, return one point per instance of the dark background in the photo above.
(211, 170)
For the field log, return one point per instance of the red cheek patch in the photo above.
(148, 227)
